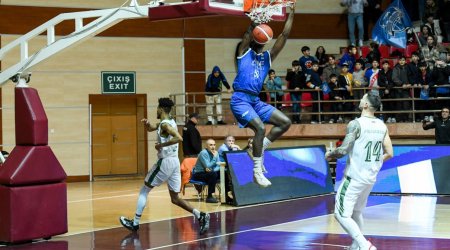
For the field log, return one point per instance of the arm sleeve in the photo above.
(353, 131)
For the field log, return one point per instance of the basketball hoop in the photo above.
(261, 11)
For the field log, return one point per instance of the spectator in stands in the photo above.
(322, 58)
(274, 85)
(445, 17)
(337, 94)
(431, 9)
(249, 146)
(358, 80)
(441, 74)
(355, 10)
(206, 168)
(435, 28)
(372, 76)
(441, 126)
(372, 11)
(385, 82)
(430, 52)
(345, 82)
(374, 54)
(400, 79)
(425, 81)
(192, 141)
(423, 35)
(306, 60)
(314, 83)
(297, 80)
(228, 145)
(331, 69)
(213, 91)
(349, 58)
(414, 78)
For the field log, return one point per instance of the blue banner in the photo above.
(391, 28)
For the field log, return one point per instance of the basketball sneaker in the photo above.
(128, 224)
(368, 246)
(260, 179)
(204, 222)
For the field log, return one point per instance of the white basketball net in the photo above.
(263, 11)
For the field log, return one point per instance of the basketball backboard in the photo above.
(236, 7)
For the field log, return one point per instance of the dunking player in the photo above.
(368, 145)
(166, 169)
(253, 66)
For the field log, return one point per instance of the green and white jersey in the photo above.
(366, 157)
(169, 151)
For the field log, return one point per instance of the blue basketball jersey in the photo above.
(252, 71)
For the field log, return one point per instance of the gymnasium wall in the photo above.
(65, 81)
(153, 50)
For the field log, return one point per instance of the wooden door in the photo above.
(114, 135)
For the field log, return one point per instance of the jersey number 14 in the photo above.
(373, 149)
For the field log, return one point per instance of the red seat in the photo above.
(306, 97)
(411, 48)
(365, 51)
(287, 102)
(393, 49)
(384, 51)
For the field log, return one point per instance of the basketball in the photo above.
(262, 33)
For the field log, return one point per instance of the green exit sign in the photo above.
(118, 82)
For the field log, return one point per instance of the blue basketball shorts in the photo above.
(246, 107)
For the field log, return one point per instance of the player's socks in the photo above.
(196, 213)
(266, 143)
(137, 218)
(258, 175)
(362, 242)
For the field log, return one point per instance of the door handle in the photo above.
(114, 138)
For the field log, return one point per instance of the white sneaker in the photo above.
(393, 120)
(331, 121)
(313, 122)
(389, 120)
(431, 118)
(426, 118)
(340, 120)
(368, 246)
(260, 179)
(360, 43)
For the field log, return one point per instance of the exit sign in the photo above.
(118, 82)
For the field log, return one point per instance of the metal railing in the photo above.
(186, 103)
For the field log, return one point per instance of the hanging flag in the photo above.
(391, 28)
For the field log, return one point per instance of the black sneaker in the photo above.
(209, 123)
(211, 200)
(204, 222)
(221, 123)
(128, 224)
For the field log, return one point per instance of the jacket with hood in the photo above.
(214, 84)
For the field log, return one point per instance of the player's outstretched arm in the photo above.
(353, 132)
(246, 39)
(387, 147)
(281, 39)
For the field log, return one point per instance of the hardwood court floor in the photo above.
(392, 222)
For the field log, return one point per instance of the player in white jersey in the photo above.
(166, 169)
(368, 145)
